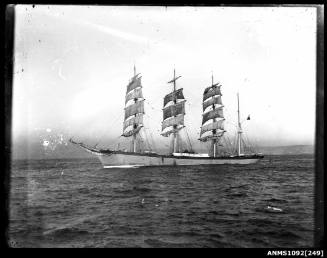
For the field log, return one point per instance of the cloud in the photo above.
(117, 33)
(105, 29)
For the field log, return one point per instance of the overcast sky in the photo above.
(73, 63)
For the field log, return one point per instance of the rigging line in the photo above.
(190, 93)
(250, 143)
(245, 147)
(153, 141)
(227, 143)
(153, 108)
(146, 139)
(209, 144)
(140, 138)
(146, 128)
(232, 149)
(140, 141)
(245, 140)
(115, 141)
(156, 99)
(115, 121)
(231, 123)
(251, 147)
(229, 148)
(116, 117)
(189, 139)
(186, 145)
(235, 142)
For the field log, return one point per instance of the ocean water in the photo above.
(77, 203)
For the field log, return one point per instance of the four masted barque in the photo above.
(212, 130)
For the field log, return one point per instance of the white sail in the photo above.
(212, 98)
(212, 136)
(169, 132)
(175, 95)
(136, 108)
(133, 131)
(174, 110)
(133, 112)
(135, 83)
(212, 126)
(215, 113)
(178, 120)
(134, 94)
(138, 119)
(212, 101)
(211, 91)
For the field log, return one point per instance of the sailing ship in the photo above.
(212, 130)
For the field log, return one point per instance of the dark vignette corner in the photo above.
(319, 145)
(8, 70)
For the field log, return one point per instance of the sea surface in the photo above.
(77, 203)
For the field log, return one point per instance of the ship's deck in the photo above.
(193, 156)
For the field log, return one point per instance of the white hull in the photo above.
(119, 160)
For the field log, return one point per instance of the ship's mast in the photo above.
(133, 120)
(134, 135)
(175, 142)
(173, 115)
(214, 132)
(239, 127)
(211, 98)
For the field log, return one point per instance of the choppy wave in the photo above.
(268, 204)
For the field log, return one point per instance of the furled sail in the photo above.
(134, 94)
(169, 132)
(211, 91)
(178, 120)
(215, 113)
(135, 83)
(212, 126)
(133, 131)
(136, 108)
(212, 101)
(178, 94)
(174, 110)
(138, 119)
(212, 137)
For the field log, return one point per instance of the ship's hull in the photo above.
(124, 160)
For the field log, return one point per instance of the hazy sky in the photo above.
(73, 63)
